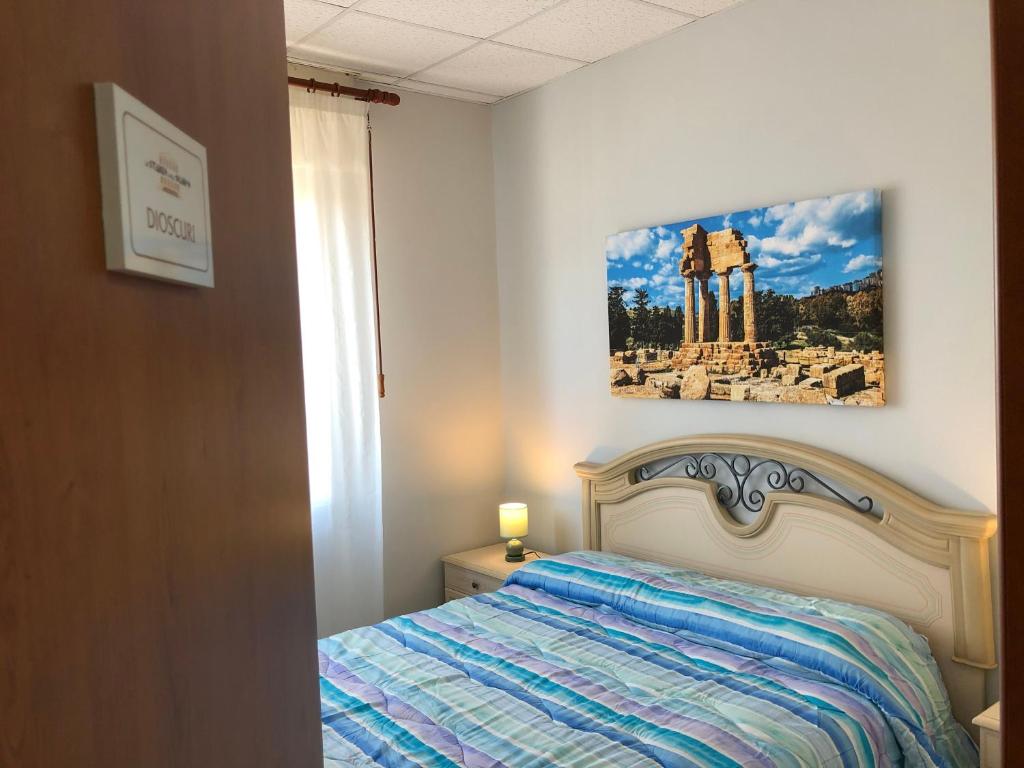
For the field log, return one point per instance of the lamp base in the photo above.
(514, 551)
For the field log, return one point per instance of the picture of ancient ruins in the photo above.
(807, 330)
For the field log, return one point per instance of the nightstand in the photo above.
(988, 722)
(478, 570)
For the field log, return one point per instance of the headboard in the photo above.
(818, 524)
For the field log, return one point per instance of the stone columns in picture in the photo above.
(704, 319)
(808, 330)
(724, 299)
(749, 315)
(716, 253)
(688, 307)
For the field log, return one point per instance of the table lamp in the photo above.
(512, 518)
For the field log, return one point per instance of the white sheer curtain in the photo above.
(332, 227)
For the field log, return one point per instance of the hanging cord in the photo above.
(373, 255)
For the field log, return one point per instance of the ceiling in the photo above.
(476, 50)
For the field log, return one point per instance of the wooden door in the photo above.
(156, 587)
(1008, 77)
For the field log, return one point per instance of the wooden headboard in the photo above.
(817, 524)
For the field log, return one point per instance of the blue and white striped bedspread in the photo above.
(591, 659)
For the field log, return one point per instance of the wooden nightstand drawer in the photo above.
(469, 583)
(990, 750)
(477, 571)
(988, 724)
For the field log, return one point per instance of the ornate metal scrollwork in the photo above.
(738, 487)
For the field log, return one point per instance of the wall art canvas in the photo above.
(780, 304)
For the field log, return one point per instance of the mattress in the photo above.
(594, 659)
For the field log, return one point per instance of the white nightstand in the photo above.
(478, 570)
(988, 722)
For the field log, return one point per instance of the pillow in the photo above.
(865, 650)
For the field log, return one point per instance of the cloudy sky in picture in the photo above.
(797, 246)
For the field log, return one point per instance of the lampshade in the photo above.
(513, 520)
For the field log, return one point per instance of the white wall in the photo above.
(441, 418)
(772, 101)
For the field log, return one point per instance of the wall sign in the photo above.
(156, 196)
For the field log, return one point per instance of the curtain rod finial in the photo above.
(375, 96)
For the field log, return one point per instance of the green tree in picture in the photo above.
(654, 327)
(866, 342)
(712, 313)
(736, 319)
(826, 311)
(865, 310)
(668, 327)
(677, 318)
(817, 337)
(777, 315)
(673, 327)
(618, 320)
(641, 318)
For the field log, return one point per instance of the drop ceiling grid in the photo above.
(522, 51)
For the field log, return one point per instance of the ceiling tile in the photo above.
(696, 7)
(378, 79)
(592, 29)
(362, 42)
(497, 69)
(303, 16)
(451, 93)
(480, 18)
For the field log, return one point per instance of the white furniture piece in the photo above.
(988, 723)
(816, 524)
(479, 570)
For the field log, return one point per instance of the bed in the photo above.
(740, 602)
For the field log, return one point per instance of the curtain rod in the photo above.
(371, 95)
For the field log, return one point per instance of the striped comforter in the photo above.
(591, 659)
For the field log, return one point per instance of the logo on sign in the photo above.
(166, 168)
(173, 183)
